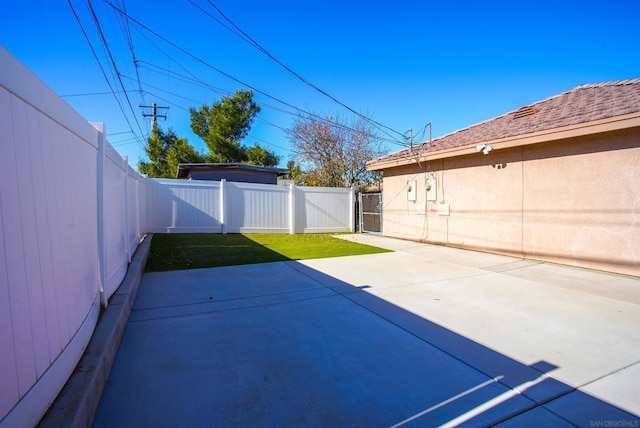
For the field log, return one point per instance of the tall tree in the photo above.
(224, 125)
(333, 152)
(166, 151)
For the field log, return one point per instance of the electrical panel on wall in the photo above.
(431, 186)
(412, 190)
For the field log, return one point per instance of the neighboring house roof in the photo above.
(184, 169)
(563, 112)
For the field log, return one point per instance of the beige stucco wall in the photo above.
(573, 201)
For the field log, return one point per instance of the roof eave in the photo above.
(184, 169)
(615, 123)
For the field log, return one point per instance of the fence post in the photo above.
(127, 235)
(102, 131)
(352, 213)
(360, 212)
(137, 211)
(223, 228)
(292, 213)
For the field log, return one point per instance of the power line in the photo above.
(125, 142)
(118, 133)
(206, 64)
(88, 94)
(270, 144)
(106, 45)
(172, 94)
(198, 82)
(104, 74)
(181, 77)
(218, 21)
(126, 31)
(194, 80)
(260, 48)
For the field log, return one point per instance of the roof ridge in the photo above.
(622, 82)
(582, 86)
(572, 96)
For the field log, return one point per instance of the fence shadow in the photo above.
(285, 344)
(176, 209)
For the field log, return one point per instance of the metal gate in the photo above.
(370, 212)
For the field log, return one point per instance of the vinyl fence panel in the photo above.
(323, 210)
(256, 208)
(48, 262)
(136, 200)
(114, 239)
(183, 206)
(66, 216)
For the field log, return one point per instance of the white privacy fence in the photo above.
(121, 207)
(228, 207)
(72, 212)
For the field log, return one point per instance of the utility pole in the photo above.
(154, 113)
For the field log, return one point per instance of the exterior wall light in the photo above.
(484, 148)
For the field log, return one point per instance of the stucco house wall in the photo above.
(570, 196)
(568, 201)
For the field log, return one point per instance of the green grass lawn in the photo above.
(200, 250)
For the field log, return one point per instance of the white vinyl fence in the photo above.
(72, 212)
(228, 207)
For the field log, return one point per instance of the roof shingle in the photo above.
(584, 103)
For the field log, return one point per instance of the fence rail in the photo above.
(72, 212)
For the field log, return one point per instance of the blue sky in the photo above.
(404, 63)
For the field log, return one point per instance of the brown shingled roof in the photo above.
(585, 103)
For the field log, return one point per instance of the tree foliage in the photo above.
(258, 155)
(333, 152)
(224, 124)
(166, 151)
(296, 174)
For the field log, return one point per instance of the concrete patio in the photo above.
(423, 336)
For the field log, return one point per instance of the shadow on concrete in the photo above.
(282, 344)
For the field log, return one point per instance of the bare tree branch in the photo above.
(333, 152)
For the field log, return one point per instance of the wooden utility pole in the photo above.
(154, 113)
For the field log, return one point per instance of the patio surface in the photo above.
(423, 336)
